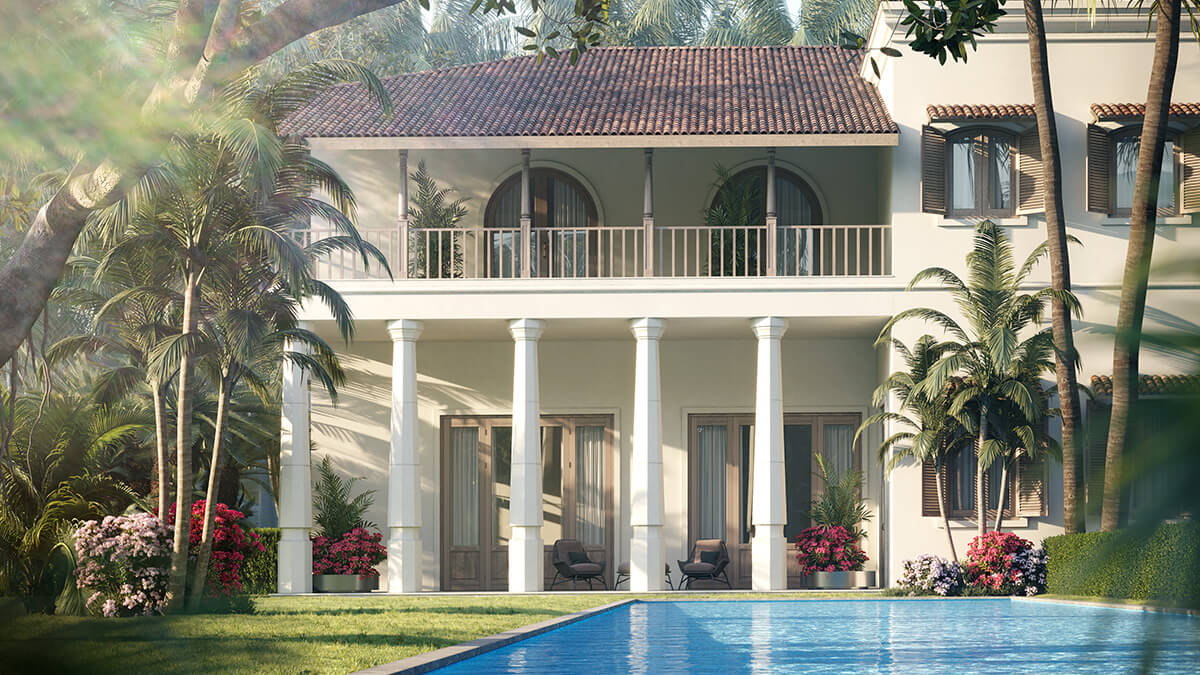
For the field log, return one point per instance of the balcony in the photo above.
(616, 252)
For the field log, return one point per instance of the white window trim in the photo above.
(1117, 221)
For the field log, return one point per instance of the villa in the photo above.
(608, 348)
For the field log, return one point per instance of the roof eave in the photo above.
(883, 139)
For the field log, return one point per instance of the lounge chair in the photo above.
(571, 562)
(707, 562)
(623, 575)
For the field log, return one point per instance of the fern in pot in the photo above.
(345, 548)
(828, 552)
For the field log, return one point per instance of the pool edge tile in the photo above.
(1131, 607)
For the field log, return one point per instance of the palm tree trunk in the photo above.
(1003, 494)
(980, 501)
(1060, 270)
(204, 552)
(942, 508)
(1137, 257)
(177, 580)
(163, 489)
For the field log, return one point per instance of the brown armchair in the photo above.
(708, 561)
(571, 562)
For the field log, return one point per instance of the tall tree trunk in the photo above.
(163, 488)
(1003, 494)
(1060, 270)
(177, 581)
(204, 552)
(942, 508)
(1137, 257)
(980, 497)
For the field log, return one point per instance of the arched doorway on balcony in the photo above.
(737, 215)
(564, 216)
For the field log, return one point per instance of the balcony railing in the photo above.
(618, 252)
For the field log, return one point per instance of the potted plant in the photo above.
(828, 552)
(345, 550)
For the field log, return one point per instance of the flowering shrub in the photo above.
(357, 552)
(231, 545)
(931, 574)
(828, 549)
(123, 561)
(1002, 563)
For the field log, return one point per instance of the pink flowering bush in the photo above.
(929, 574)
(828, 549)
(1001, 563)
(356, 552)
(122, 564)
(231, 545)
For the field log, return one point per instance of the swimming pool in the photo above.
(886, 635)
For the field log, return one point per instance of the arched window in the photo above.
(558, 201)
(742, 200)
(981, 173)
(795, 202)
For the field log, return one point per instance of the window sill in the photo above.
(1161, 220)
(1010, 221)
(964, 524)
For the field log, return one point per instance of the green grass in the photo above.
(293, 635)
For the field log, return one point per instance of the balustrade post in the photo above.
(401, 265)
(526, 245)
(648, 216)
(772, 223)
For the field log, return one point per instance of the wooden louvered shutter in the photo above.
(1031, 487)
(933, 170)
(1031, 197)
(1189, 167)
(1099, 159)
(1093, 455)
(929, 497)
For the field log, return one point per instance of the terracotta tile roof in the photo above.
(1152, 384)
(617, 91)
(979, 112)
(1121, 111)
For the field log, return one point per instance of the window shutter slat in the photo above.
(1099, 153)
(1031, 197)
(933, 170)
(929, 500)
(1189, 165)
(1094, 450)
(1031, 487)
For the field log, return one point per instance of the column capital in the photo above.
(769, 327)
(526, 329)
(405, 330)
(647, 328)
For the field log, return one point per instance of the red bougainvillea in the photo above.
(357, 552)
(231, 545)
(828, 549)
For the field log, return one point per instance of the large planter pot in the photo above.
(344, 583)
(841, 580)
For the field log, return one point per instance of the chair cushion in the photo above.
(710, 557)
(585, 568)
(698, 568)
(623, 568)
(574, 557)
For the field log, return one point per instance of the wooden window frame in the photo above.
(1013, 479)
(1133, 130)
(982, 136)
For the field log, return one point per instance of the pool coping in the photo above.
(1132, 607)
(439, 658)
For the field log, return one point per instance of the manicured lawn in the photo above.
(293, 635)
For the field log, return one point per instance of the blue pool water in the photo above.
(835, 636)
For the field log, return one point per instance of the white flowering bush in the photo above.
(122, 564)
(929, 574)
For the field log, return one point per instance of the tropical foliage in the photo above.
(336, 512)
(841, 503)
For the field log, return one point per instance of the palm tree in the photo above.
(827, 22)
(990, 352)
(929, 432)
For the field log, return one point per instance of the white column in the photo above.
(772, 217)
(526, 216)
(648, 215)
(525, 547)
(404, 463)
(646, 560)
(295, 482)
(769, 515)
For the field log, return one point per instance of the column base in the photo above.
(647, 562)
(767, 551)
(295, 561)
(525, 559)
(404, 559)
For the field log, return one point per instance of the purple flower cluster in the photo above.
(357, 552)
(930, 574)
(123, 561)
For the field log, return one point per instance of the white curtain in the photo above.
(962, 163)
(838, 451)
(589, 485)
(796, 214)
(507, 215)
(464, 486)
(710, 480)
(568, 208)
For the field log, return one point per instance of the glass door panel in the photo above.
(797, 481)
(552, 484)
(746, 482)
(589, 485)
(464, 486)
(502, 484)
(711, 445)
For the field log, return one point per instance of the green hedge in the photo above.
(1163, 565)
(260, 571)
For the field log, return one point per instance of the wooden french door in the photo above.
(721, 488)
(577, 494)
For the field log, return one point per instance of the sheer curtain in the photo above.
(506, 214)
(568, 208)
(838, 450)
(796, 214)
(710, 480)
(464, 486)
(962, 163)
(589, 485)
